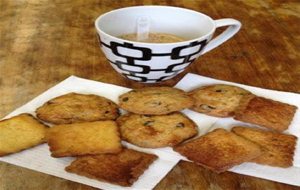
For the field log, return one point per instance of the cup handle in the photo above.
(233, 27)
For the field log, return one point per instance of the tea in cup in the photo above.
(176, 38)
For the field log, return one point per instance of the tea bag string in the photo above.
(143, 28)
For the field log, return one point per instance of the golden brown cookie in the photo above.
(265, 112)
(278, 149)
(156, 130)
(219, 150)
(123, 168)
(217, 100)
(84, 138)
(155, 100)
(76, 108)
(19, 133)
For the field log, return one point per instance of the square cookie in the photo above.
(20, 132)
(123, 168)
(84, 138)
(219, 150)
(278, 149)
(265, 112)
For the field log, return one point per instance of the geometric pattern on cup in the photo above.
(179, 57)
(185, 51)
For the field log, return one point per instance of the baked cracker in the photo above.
(219, 150)
(265, 112)
(84, 138)
(19, 133)
(123, 168)
(278, 149)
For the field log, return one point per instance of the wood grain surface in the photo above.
(43, 42)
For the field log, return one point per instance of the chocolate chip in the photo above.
(207, 107)
(274, 140)
(220, 90)
(106, 112)
(148, 123)
(125, 99)
(50, 102)
(180, 125)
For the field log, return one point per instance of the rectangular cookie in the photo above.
(278, 149)
(84, 138)
(265, 112)
(19, 133)
(219, 150)
(123, 168)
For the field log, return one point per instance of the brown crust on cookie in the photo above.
(219, 150)
(155, 100)
(156, 131)
(91, 138)
(217, 100)
(77, 108)
(278, 149)
(265, 112)
(20, 132)
(123, 168)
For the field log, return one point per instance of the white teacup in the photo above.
(155, 62)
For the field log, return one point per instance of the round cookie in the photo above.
(217, 100)
(76, 108)
(155, 100)
(157, 130)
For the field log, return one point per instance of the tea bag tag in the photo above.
(143, 28)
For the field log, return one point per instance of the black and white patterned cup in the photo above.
(155, 62)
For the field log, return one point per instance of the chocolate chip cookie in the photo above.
(217, 100)
(155, 100)
(156, 130)
(77, 108)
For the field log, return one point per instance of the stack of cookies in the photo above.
(90, 128)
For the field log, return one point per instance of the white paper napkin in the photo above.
(39, 158)
(289, 175)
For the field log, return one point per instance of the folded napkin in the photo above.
(39, 159)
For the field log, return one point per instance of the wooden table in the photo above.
(43, 42)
